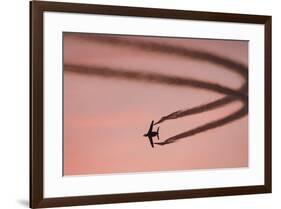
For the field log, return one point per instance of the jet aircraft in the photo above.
(150, 134)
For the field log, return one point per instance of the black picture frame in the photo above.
(37, 8)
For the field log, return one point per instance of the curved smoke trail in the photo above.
(226, 63)
(153, 78)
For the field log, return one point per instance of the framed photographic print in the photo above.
(139, 104)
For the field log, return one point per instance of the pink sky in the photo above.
(105, 119)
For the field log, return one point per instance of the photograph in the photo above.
(134, 103)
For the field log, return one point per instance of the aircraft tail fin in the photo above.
(158, 133)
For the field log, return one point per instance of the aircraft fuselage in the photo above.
(151, 134)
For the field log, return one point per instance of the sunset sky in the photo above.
(105, 118)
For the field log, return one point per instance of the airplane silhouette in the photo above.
(150, 134)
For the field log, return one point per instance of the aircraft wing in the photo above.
(151, 141)
(151, 127)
